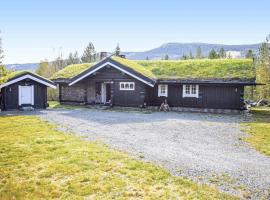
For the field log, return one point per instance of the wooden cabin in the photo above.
(23, 89)
(115, 81)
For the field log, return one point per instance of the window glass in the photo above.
(187, 89)
(193, 89)
(127, 85)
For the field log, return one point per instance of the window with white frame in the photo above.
(191, 91)
(127, 86)
(163, 90)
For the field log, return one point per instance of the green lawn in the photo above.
(56, 104)
(259, 130)
(39, 162)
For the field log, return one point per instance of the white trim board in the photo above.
(25, 77)
(116, 67)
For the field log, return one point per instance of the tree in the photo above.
(190, 56)
(184, 57)
(147, 58)
(166, 57)
(117, 50)
(250, 54)
(3, 71)
(213, 54)
(199, 53)
(89, 54)
(263, 71)
(222, 53)
(44, 69)
(73, 58)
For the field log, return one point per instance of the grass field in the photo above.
(259, 130)
(56, 104)
(39, 162)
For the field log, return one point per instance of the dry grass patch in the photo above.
(39, 162)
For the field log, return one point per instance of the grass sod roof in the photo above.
(71, 70)
(134, 66)
(241, 69)
(236, 69)
(14, 74)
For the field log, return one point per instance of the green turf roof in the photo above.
(12, 75)
(134, 66)
(72, 70)
(241, 69)
(201, 69)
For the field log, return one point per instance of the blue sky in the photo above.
(34, 30)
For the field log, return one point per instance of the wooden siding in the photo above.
(11, 98)
(85, 90)
(219, 96)
(210, 96)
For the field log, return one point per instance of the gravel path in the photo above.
(203, 147)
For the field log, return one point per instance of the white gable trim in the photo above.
(25, 77)
(116, 67)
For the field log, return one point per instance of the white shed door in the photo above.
(26, 95)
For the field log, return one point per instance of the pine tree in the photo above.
(89, 54)
(250, 54)
(117, 50)
(73, 58)
(263, 71)
(3, 71)
(190, 56)
(184, 57)
(199, 53)
(213, 54)
(166, 57)
(222, 53)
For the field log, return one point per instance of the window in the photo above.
(163, 90)
(127, 86)
(191, 91)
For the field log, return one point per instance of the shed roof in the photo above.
(16, 76)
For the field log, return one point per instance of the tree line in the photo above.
(90, 55)
(213, 54)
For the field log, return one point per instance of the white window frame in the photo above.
(124, 88)
(196, 95)
(160, 93)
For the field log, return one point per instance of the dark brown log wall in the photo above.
(11, 98)
(210, 96)
(85, 90)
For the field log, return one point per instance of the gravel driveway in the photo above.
(203, 147)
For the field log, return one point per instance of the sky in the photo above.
(35, 30)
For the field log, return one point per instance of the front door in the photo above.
(26, 95)
(105, 92)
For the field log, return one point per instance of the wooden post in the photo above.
(60, 92)
(112, 93)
